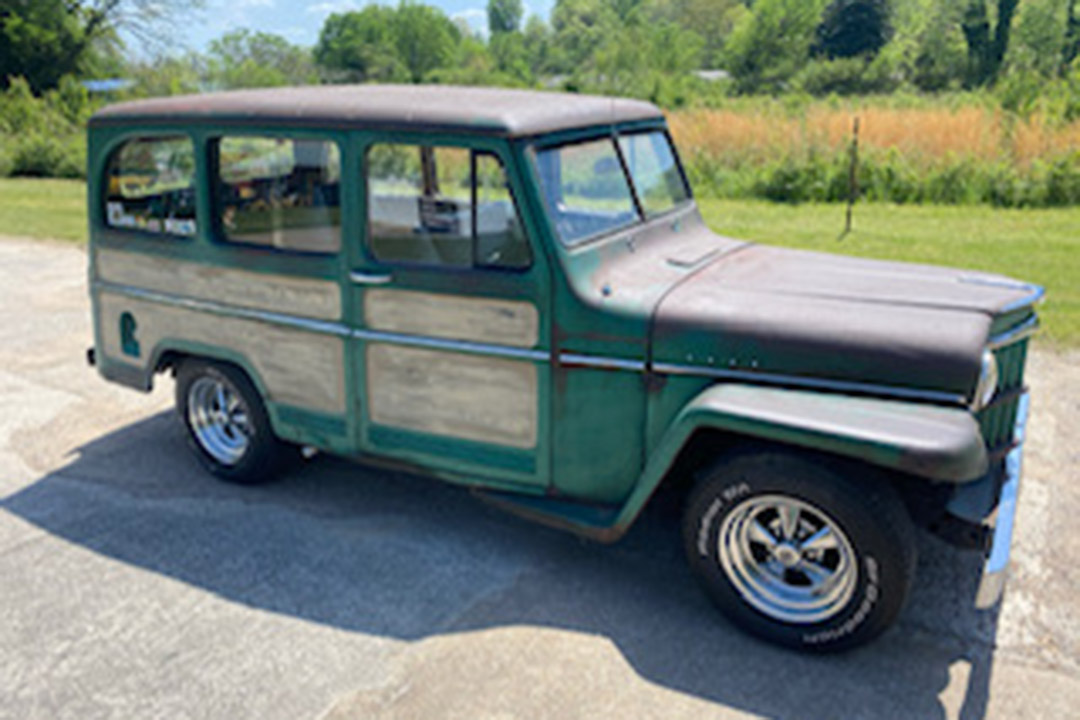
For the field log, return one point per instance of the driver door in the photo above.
(451, 339)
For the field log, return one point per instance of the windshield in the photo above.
(588, 193)
(651, 163)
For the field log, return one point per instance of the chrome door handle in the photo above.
(363, 278)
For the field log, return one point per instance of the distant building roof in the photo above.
(435, 107)
(109, 85)
(712, 75)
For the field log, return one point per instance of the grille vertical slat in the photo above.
(997, 420)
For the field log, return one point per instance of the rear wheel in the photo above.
(795, 550)
(226, 424)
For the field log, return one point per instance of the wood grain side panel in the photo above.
(472, 319)
(305, 297)
(299, 368)
(491, 400)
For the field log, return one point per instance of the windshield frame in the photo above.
(613, 135)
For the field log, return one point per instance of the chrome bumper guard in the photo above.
(996, 569)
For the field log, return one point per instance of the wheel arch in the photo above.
(915, 446)
(168, 355)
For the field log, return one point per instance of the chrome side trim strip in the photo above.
(811, 383)
(1015, 334)
(319, 326)
(471, 348)
(601, 363)
(995, 571)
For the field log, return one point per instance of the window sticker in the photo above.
(151, 187)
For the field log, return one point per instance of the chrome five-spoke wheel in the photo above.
(806, 550)
(787, 558)
(219, 419)
(226, 423)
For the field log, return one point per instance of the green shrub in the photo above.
(890, 177)
(6, 161)
(40, 155)
(847, 76)
(1063, 181)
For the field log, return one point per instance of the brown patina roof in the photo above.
(408, 107)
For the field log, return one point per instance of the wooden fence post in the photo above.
(853, 178)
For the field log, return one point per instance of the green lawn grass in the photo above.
(43, 208)
(1039, 246)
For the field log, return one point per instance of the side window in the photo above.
(150, 186)
(500, 238)
(279, 192)
(442, 206)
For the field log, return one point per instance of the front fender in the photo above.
(929, 441)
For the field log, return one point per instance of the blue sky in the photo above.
(300, 20)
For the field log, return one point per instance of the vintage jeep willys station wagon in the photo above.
(515, 291)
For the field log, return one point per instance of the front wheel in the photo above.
(795, 550)
(226, 423)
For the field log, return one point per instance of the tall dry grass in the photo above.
(924, 154)
(925, 134)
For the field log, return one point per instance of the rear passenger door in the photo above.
(451, 340)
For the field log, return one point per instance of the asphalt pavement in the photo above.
(133, 585)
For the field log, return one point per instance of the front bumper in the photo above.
(996, 568)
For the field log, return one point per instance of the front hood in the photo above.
(813, 315)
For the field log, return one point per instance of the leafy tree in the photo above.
(361, 46)
(1071, 49)
(581, 27)
(771, 43)
(987, 41)
(256, 59)
(647, 60)
(44, 40)
(152, 22)
(711, 20)
(1038, 40)
(539, 42)
(425, 38)
(511, 56)
(927, 47)
(941, 58)
(854, 27)
(37, 38)
(497, 63)
(167, 75)
(381, 43)
(504, 16)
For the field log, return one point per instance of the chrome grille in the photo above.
(998, 418)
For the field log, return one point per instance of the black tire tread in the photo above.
(871, 496)
(267, 457)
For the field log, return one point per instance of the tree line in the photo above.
(645, 48)
(736, 67)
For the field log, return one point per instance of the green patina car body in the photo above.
(515, 291)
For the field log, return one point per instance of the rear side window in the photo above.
(442, 206)
(150, 186)
(280, 192)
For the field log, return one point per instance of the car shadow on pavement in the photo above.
(393, 555)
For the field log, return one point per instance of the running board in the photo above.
(591, 520)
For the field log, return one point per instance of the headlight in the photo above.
(988, 380)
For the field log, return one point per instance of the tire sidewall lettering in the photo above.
(724, 498)
(870, 596)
